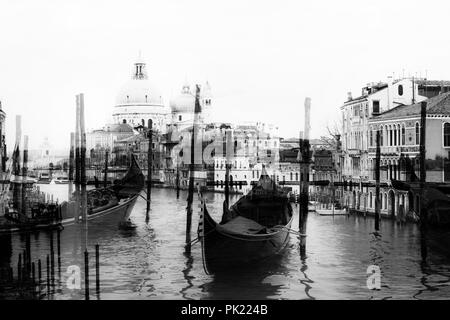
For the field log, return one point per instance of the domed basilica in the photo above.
(140, 99)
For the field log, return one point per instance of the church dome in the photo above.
(139, 90)
(184, 102)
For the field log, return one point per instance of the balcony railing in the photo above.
(395, 149)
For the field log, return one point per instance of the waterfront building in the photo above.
(393, 108)
(105, 138)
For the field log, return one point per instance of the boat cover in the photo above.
(241, 225)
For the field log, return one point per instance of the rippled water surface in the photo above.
(149, 261)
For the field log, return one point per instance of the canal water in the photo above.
(149, 261)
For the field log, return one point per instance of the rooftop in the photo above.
(438, 105)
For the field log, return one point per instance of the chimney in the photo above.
(349, 96)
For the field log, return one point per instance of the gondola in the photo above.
(256, 227)
(113, 203)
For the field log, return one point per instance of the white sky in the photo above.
(262, 58)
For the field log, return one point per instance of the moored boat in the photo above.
(256, 227)
(61, 180)
(332, 212)
(114, 203)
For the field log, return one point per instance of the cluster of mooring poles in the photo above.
(77, 159)
(97, 273)
(35, 279)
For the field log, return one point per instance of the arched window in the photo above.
(400, 90)
(417, 133)
(395, 135)
(390, 135)
(446, 134)
(381, 135)
(403, 135)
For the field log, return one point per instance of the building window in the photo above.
(395, 135)
(179, 118)
(390, 136)
(417, 133)
(446, 134)
(400, 90)
(403, 135)
(375, 106)
(381, 136)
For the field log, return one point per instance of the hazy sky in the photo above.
(262, 58)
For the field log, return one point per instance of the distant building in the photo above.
(106, 137)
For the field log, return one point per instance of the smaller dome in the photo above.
(184, 102)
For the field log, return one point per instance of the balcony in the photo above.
(395, 150)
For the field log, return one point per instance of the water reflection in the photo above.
(306, 281)
(148, 261)
(240, 284)
(187, 276)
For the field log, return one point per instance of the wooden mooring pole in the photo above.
(83, 161)
(39, 274)
(190, 197)
(177, 181)
(423, 175)
(24, 208)
(97, 270)
(77, 160)
(149, 167)
(105, 177)
(304, 179)
(86, 274)
(48, 275)
(377, 181)
(17, 188)
(52, 258)
(71, 163)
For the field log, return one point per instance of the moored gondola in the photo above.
(113, 203)
(256, 227)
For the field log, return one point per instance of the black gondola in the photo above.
(256, 227)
